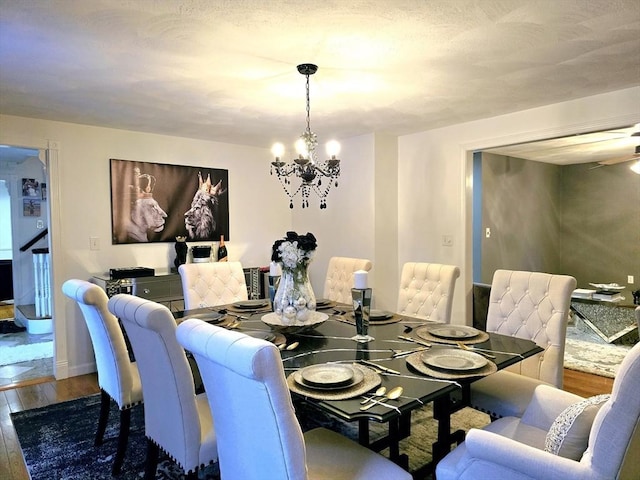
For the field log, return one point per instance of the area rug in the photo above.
(596, 358)
(57, 443)
(24, 353)
(57, 440)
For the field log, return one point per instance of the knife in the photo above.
(379, 367)
(414, 340)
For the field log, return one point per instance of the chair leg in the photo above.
(151, 463)
(105, 404)
(123, 438)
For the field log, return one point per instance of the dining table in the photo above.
(432, 362)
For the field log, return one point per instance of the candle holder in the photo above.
(274, 281)
(361, 310)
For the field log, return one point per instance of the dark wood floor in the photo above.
(35, 394)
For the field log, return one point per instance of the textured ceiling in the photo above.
(225, 70)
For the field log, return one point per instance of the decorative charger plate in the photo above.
(424, 332)
(251, 304)
(370, 381)
(454, 332)
(377, 315)
(416, 362)
(453, 359)
(329, 376)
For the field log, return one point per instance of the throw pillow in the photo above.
(569, 435)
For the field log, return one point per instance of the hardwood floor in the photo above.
(34, 395)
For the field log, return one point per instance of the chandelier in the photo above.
(306, 174)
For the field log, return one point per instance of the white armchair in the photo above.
(176, 419)
(605, 439)
(118, 376)
(426, 291)
(211, 284)
(259, 436)
(339, 280)
(534, 306)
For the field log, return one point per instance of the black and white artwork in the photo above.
(154, 202)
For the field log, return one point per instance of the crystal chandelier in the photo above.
(306, 174)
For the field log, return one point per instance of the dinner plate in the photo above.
(323, 302)
(251, 303)
(454, 332)
(379, 315)
(453, 359)
(209, 317)
(261, 334)
(328, 376)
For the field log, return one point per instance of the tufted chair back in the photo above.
(211, 284)
(534, 306)
(259, 434)
(339, 280)
(176, 419)
(118, 376)
(426, 291)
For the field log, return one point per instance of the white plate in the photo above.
(614, 287)
(324, 380)
(453, 359)
(454, 332)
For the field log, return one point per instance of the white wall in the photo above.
(435, 175)
(79, 193)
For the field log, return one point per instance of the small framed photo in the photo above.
(30, 207)
(43, 189)
(30, 187)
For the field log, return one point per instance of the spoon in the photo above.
(466, 347)
(392, 394)
(378, 393)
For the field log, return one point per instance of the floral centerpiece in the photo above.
(294, 299)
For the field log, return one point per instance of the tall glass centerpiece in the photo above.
(294, 301)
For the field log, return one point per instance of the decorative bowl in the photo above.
(275, 322)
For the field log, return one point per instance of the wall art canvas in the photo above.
(30, 207)
(30, 187)
(154, 202)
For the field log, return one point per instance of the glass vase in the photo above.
(294, 300)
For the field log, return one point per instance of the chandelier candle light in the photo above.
(306, 168)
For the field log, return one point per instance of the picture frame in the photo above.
(30, 187)
(156, 202)
(31, 207)
(43, 189)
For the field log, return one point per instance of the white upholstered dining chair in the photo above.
(176, 419)
(118, 376)
(339, 280)
(259, 435)
(212, 283)
(426, 291)
(560, 436)
(534, 306)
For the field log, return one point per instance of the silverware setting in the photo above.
(414, 340)
(466, 347)
(378, 393)
(379, 368)
(392, 394)
(405, 353)
(290, 347)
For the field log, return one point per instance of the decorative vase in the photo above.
(294, 301)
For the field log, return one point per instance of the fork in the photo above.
(464, 346)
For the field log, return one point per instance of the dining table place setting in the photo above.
(250, 306)
(333, 381)
(446, 333)
(451, 363)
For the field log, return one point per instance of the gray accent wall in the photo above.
(573, 219)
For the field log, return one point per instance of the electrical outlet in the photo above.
(94, 243)
(39, 224)
(487, 232)
(630, 279)
(447, 240)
